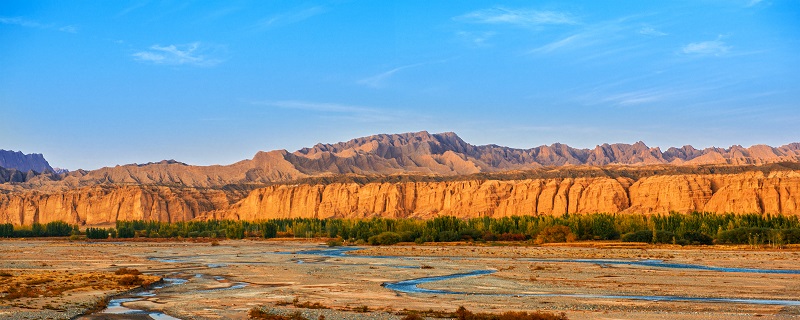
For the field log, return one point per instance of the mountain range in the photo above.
(408, 153)
(412, 175)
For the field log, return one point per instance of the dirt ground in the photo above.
(585, 281)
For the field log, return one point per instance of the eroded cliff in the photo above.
(102, 205)
(751, 192)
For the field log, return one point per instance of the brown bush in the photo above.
(555, 234)
(123, 271)
(464, 314)
(130, 280)
(257, 313)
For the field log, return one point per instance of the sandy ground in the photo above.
(225, 281)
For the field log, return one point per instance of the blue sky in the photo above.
(100, 83)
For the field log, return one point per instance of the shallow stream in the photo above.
(411, 286)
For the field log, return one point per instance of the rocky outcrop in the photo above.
(102, 205)
(24, 162)
(751, 192)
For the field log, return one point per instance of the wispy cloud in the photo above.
(378, 80)
(22, 22)
(289, 17)
(650, 31)
(336, 110)
(132, 8)
(195, 54)
(518, 17)
(478, 39)
(752, 3)
(576, 40)
(70, 29)
(707, 48)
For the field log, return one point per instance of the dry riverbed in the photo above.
(225, 281)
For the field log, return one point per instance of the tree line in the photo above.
(694, 228)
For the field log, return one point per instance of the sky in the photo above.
(99, 83)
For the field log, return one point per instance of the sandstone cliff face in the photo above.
(751, 192)
(105, 205)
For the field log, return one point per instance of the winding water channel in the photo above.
(412, 286)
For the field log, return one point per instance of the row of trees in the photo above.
(50, 229)
(695, 228)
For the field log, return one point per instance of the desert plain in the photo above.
(224, 280)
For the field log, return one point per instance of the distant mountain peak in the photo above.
(24, 162)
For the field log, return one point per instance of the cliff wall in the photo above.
(749, 192)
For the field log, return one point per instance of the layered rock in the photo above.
(102, 205)
(751, 192)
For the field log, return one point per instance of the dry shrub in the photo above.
(257, 313)
(123, 271)
(555, 234)
(464, 314)
(130, 280)
(413, 316)
(309, 305)
(21, 292)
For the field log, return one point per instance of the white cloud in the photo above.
(649, 31)
(289, 17)
(573, 40)
(519, 17)
(22, 22)
(178, 54)
(70, 29)
(715, 47)
(378, 80)
(477, 39)
(335, 110)
(752, 3)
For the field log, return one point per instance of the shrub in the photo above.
(448, 236)
(385, 238)
(124, 271)
(638, 236)
(555, 234)
(751, 236)
(6, 230)
(464, 314)
(257, 313)
(662, 236)
(130, 280)
(791, 235)
(126, 232)
(695, 238)
(512, 237)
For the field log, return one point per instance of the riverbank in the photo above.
(38, 290)
(599, 280)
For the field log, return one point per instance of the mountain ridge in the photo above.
(405, 153)
(10, 159)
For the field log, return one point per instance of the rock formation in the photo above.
(24, 162)
(104, 205)
(751, 192)
(414, 175)
(408, 153)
